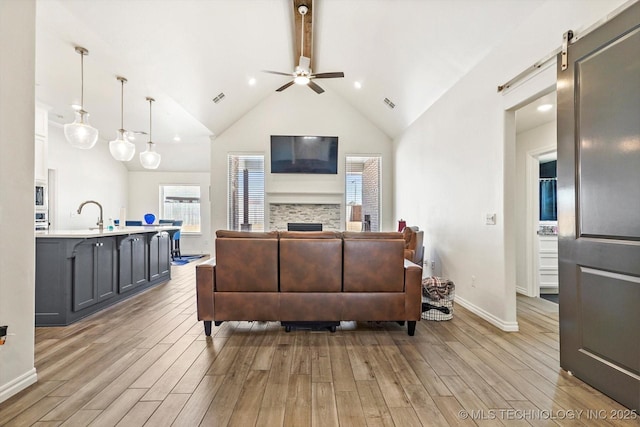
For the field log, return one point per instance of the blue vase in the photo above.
(149, 218)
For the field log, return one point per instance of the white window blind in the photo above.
(246, 192)
(181, 202)
(362, 192)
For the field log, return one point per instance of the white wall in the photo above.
(17, 265)
(531, 140)
(455, 154)
(300, 111)
(144, 197)
(85, 175)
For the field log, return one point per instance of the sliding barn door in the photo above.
(599, 208)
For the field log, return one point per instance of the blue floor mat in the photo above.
(186, 259)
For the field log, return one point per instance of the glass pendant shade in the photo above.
(149, 158)
(80, 134)
(121, 148)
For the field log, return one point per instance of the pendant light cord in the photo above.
(150, 122)
(122, 81)
(122, 106)
(81, 81)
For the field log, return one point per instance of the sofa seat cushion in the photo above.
(246, 306)
(310, 306)
(374, 306)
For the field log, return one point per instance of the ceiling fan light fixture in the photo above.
(301, 80)
(80, 134)
(121, 148)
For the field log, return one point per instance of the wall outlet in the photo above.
(473, 281)
(433, 266)
(490, 219)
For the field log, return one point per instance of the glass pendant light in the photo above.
(121, 148)
(80, 133)
(149, 158)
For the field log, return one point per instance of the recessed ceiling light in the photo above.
(357, 85)
(76, 107)
(176, 138)
(252, 81)
(545, 107)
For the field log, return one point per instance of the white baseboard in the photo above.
(18, 384)
(523, 291)
(505, 326)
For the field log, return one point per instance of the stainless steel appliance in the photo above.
(42, 221)
(41, 196)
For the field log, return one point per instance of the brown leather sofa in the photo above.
(414, 244)
(309, 277)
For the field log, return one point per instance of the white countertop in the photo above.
(90, 233)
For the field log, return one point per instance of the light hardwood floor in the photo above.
(147, 362)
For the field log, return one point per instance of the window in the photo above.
(246, 193)
(362, 191)
(548, 191)
(181, 202)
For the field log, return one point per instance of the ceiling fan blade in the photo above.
(283, 87)
(278, 73)
(315, 87)
(327, 75)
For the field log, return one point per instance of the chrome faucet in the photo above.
(100, 224)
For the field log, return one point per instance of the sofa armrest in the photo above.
(205, 286)
(413, 290)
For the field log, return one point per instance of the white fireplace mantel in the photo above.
(306, 198)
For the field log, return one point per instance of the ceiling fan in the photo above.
(303, 74)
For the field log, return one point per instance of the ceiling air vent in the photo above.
(389, 103)
(218, 98)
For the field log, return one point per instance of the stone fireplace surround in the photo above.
(328, 214)
(304, 207)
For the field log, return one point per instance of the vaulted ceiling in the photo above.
(184, 53)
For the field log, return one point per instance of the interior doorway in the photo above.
(536, 222)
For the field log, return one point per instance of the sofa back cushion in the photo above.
(310, 261)
(373, 262)
(246, 261)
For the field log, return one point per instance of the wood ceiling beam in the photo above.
(307, 49)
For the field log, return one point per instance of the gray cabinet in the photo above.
(159, 255)
(94, 272)
(80, 275)
(132, 262)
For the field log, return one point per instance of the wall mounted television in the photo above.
(304, 154)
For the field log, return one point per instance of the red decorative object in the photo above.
(402, 224)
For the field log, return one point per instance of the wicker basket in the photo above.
(437, 298)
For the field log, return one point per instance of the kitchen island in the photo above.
(80, 272)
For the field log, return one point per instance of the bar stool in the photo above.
(175, 241)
